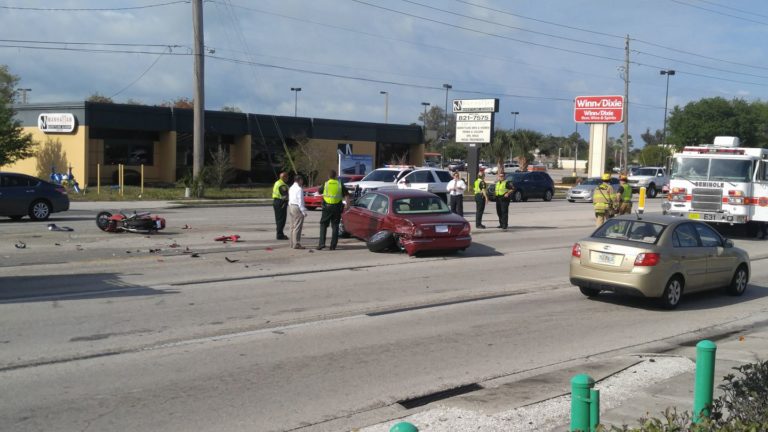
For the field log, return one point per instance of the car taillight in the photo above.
(465, 229)
(576, 250)
(649, 259)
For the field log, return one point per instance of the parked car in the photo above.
(408, 219)
(386, 177)
(22, 195)
(527, 185)
(657, 256)
(457, 166)
(584, 190)
(651, 178)
(427, 179)
(312, 198)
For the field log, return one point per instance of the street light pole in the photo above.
(296, 91)
(445, 123)
(24, 94)
(668, 73)
(386, 106)
(424, 119)
(514, 124)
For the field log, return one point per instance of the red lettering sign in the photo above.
(599, 109)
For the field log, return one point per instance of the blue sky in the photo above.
(536, 56)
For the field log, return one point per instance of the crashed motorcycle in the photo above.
(134, 222)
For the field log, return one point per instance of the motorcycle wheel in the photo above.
(102, 220)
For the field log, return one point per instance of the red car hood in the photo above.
(311, 189)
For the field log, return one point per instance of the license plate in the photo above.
(158, 224)
(441, 228)
(694, 216)
(607, 258)
(702, 216)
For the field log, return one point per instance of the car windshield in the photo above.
(382, 176)
(592, 181)
(629, 229)
(712, 169)
(645, 172)
(421, 205)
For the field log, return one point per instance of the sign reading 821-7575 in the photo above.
(473, 127)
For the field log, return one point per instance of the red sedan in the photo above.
(314, 201)
(412, 220)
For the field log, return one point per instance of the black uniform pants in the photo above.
(331, 215)
(502, 210)
(281, 214)
(457, 204)
(480, 205)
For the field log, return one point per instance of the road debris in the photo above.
(20, 245)
(54, 227)
(230, 260)
(228, 238)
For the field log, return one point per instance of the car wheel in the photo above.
(102, 220)
(342, 232)
(589, 292)
(381, 241)
(39, 210)
(672, 293)
(517, 196)
(548, 195)
(16, 217)
(739, 282)
(651, 192)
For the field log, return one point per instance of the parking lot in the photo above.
(176, 331)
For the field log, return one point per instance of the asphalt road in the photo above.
(122, 332)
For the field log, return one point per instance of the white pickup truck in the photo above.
(651, 178)
(427, 179)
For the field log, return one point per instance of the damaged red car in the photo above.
(406, 219)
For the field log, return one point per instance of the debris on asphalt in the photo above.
(155, 250)
(57, 244)
(228, 238)
(54, 227)
(269, 249)
(20, 245)
(78, 247)
(231, 260)
(195, 255)
(186, 227)
(174, 245)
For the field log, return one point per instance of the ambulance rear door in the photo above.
(760, 193)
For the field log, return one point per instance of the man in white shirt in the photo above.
(456, 188)
(297, 211)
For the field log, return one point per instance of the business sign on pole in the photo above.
(599, 109)
(473, 127)
(475, 105)
(56, 122)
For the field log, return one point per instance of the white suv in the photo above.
(427, 179)
(651, 178)
(377, 179)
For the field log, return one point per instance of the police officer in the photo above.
(333, 194)
(502, 191)
(481, 197)
(280, 203)
(625, 196)
(604, 200)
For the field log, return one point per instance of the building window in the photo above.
(128, 152)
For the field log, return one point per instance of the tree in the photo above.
(132, 101)
(51, 157)
(99, 98)
(456, 151)
(654, 155)
(499, 148)
(525, 142)
(435, 121)
(701, 121)
(306, 159)
(220, 170)
(180, 102)
(14, 143)
(653, 138)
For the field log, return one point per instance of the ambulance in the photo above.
(720, 183)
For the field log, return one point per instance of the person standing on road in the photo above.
(502, 190)
(333, 194)
(456, 188)
(625, 196)
(297, 210)
(481, 198)
(280, 203)
(604, 200)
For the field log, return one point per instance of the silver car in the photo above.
(584, 190)
(661, 257)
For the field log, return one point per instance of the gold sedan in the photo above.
(657, 256)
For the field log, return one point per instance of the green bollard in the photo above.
(705, 379)
(404, 427)
(580, 387)
(594, 409)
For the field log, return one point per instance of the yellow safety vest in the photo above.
(477, 188)
(603, 198)
(626, 193)
(501, 187)
(332, 192)
(276, 189)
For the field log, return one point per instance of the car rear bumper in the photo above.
(641, 281)
(313, 202)
(415, 245)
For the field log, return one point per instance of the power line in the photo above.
(88, 43)
(732, 8)
(39, 9)
(719, 13)
(140, 76)
(91, 50)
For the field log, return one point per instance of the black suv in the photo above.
(535, 184)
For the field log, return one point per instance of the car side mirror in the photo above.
(728, 243)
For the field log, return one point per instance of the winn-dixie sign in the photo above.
(56, 122)
(599, 109)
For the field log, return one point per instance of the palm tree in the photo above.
(525, 142)
(498, 149)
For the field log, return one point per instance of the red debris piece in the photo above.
(228, 238)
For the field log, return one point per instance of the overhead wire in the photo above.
(732, 8)
(719, 13)
(49, 9)
(140, 76)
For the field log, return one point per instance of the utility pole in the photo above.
(625, 159)
(424, 119)
(386, 106)
(198, 124)
(24, 94)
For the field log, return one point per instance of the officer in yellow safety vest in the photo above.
(333, 193)
(481, 197)
(502, 190)
(280, 204)
(625, 196)
(605, 200)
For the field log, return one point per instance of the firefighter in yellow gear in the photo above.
(605, 200)
(625, 196)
